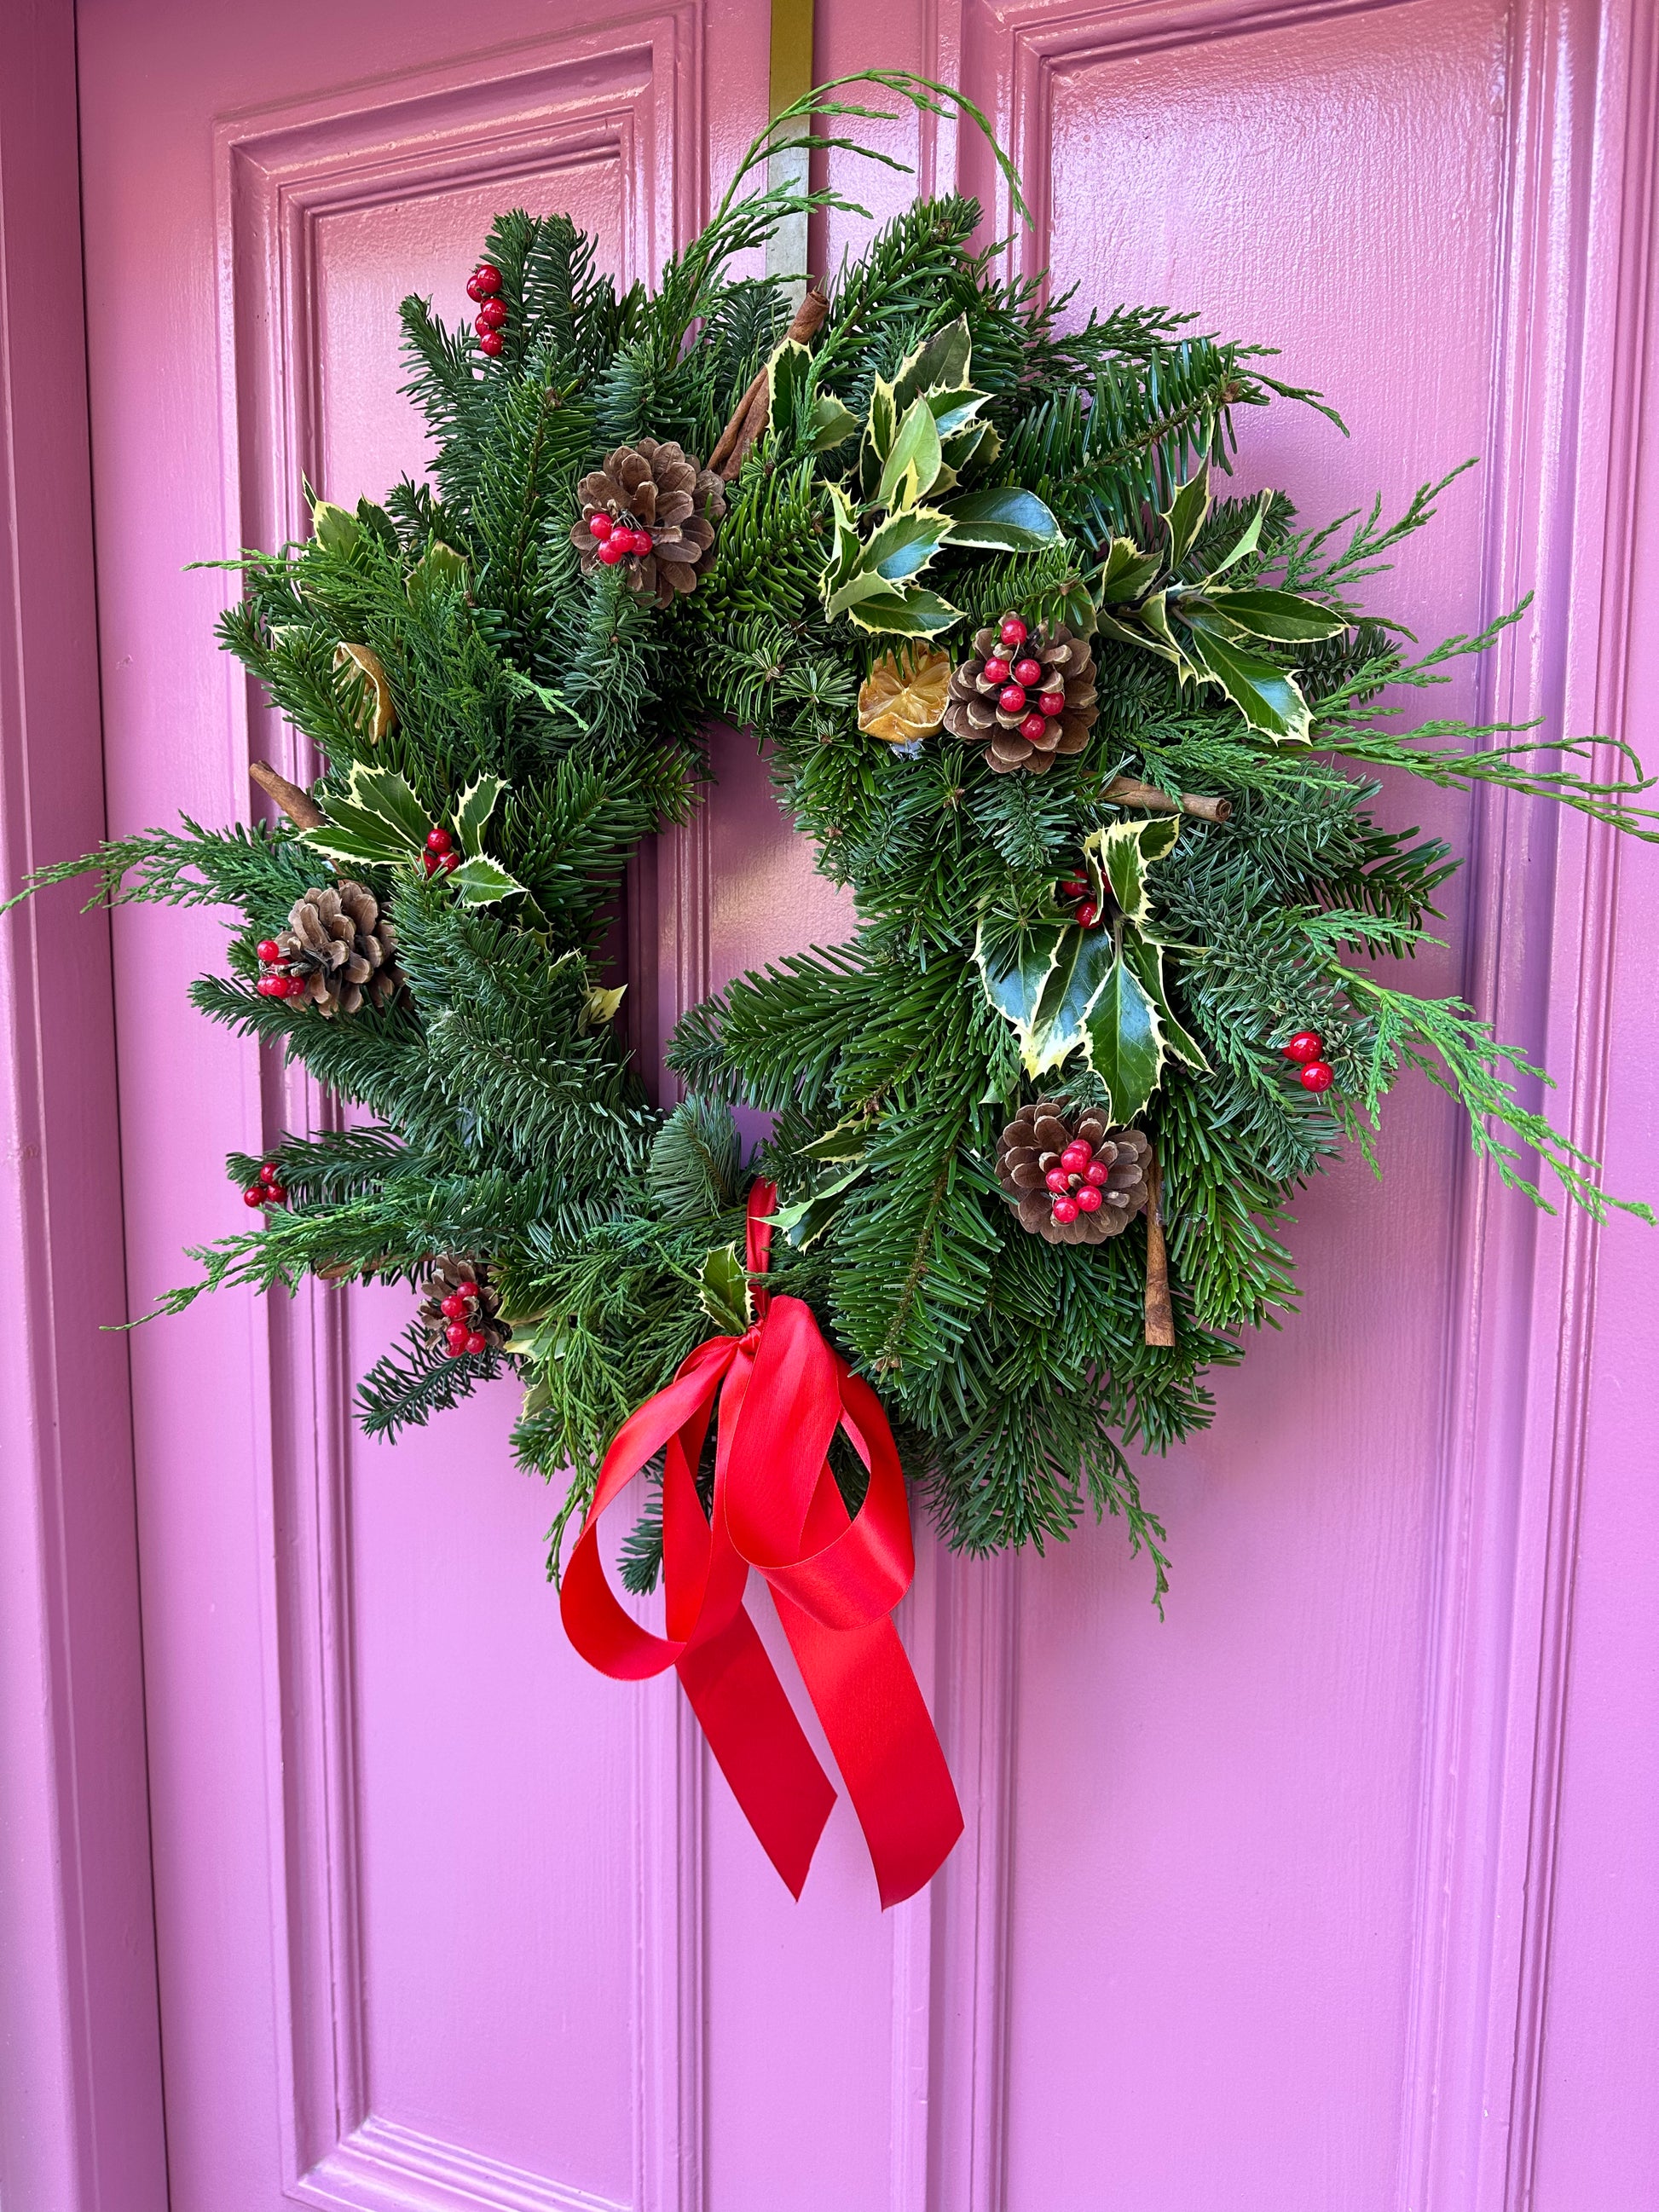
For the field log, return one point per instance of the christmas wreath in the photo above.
(1092, 744)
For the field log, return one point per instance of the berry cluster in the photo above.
(484, 286)
(460, 1310)
(619, 538)
(439, 858)
(267, 1191)
(1078, 1182)
(278, 979)
(1018, 671)
(1080, 892)
(1307, 1049)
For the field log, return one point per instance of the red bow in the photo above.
(835, 1579)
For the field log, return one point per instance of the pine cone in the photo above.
(1031, 1145)
(974, 711)
(483, 1302)
(337, 940)
(662, 490)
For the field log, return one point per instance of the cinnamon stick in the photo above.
(1128, 791)
(300, 806)
(748, 416)
(1160, 1310)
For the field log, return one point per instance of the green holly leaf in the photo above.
(1126, 1041)
(1004, 520)
(806, 1220)
(1248, 541)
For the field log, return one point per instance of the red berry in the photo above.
(454, 1351)
(1065, 1209)
(1073, 887)
(493, 314)
(1033, 727)
(298, 986)
(254, 1194)
(454, 1308)
(1052, 703)
(449, 862)
(613, 549)
(639, 542)
(1088, 1200)
(1058, 1181)
(996, 671)
(458, 1332)
(272, 986)
(1096, 1173)
(601, 526)
(1087, 914)
(276, 1194)
(1012, 700)
(1077, 1156)
(269, 949)
(1306, 1045)
(429, 862)
(1317, 1075)
(1027, 671)
(477, 1343)
(438, 840)
(493, 344)
(488, 278)
(475, 291)
(482, 325)
(467, 1291)
(270, 1172)
(1013, 631)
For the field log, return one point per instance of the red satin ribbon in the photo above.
(782, 1394)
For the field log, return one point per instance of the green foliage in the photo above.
(953, 445)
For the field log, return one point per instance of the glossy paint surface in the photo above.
(1334, 1889)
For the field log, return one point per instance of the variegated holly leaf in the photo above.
(1044, 985)
(1185, 515)
(912, 466)
(380, 824)
(723, 1291)
(908, 613)
(1125, 1039)
(473, 810)
(1145, 957)
(943, 362)
(1119, 857)
(481, 881)
(1269, 696)
(1002, 519)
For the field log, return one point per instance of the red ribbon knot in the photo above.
(782, 1392)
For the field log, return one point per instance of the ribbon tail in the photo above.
(760, 1746)
(862, 1686)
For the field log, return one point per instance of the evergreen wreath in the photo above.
(1092, 745)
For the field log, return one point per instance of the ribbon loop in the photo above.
(778, 1393)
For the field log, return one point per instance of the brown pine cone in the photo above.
(339, 942)
(663, 491)
(973, 711)
(459, 1274)
(1031, 1145)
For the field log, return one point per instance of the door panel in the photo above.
(445, 1920)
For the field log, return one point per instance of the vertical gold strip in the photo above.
(790, 79)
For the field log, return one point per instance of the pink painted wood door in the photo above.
(1253, 1911)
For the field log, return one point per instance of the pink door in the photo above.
(1336, 1888)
